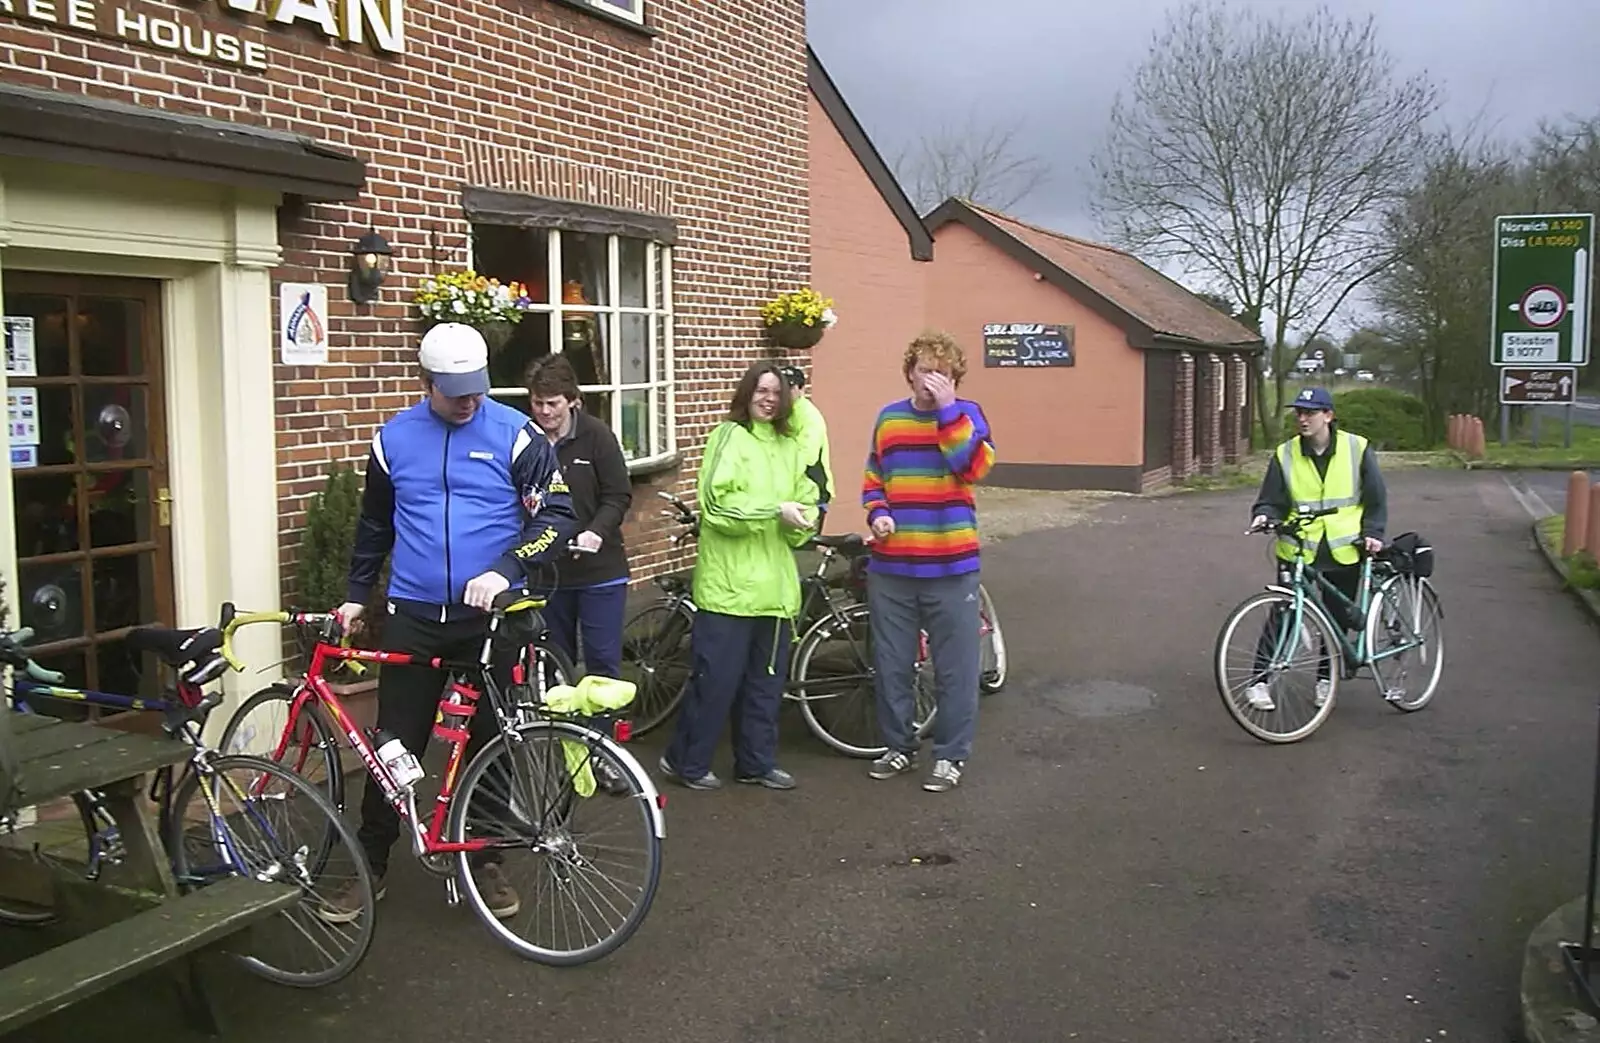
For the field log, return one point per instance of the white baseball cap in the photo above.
(457, 357)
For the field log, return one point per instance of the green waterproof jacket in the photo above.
(811, 431)
(745, 565)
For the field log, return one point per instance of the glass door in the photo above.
(88, 471)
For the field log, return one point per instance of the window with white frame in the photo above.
(605, 301)
(632, 10)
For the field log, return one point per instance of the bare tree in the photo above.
(974, 160)
(1260, 154)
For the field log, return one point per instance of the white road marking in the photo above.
(1531, 501)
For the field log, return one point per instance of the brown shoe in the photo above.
(498, 895)
(348, 905)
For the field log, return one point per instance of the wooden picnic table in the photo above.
(132, 918)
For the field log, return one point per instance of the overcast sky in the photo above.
(903, 65)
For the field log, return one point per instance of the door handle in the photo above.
(164, 506)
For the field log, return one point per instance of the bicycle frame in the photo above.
(426, 838)
(106, 843)
(1310, 588)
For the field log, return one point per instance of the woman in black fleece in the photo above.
(592, 585)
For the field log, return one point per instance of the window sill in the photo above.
(614, 19)
(652, 465)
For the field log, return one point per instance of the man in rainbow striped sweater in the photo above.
(927, 453)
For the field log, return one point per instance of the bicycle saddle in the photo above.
(176, 647)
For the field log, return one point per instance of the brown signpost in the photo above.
(1552, 385)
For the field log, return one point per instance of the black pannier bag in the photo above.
(1411, 554)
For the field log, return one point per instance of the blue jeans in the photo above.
(597, 614)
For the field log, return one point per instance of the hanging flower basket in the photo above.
(497, 333)
(490, 306)
(797, 319)
(795, 334)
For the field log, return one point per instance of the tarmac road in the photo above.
(1121, 864)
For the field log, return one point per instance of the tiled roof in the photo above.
(1127, 283)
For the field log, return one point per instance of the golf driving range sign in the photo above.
(1543, 289)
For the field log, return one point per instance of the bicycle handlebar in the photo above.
(681, 513)
(1291, 525)
(13, 655)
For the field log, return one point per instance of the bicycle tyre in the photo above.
(846, 619)
(326, 739)
(652, 657)
(640, 787)
(992, 676)
(16, 913)
(1219, 662)
(1432, 608)
(338, 832)
(545, 650)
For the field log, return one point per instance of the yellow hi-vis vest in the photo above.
(1310, 491)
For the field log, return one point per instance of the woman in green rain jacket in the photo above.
(756, 505)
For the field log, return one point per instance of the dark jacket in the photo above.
(1273, 500)
(451, 501)
(597, 476)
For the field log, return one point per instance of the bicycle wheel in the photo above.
(1263, 646)
(655, 657)
(833, 678)
(52, 838)
(544, 667)
(310, 748)
(290, 833)
(992, 647)
(596, 856)
(1405, 638)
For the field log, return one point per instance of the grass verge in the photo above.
(1549, 454)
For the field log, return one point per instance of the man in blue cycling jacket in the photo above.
(463, 494)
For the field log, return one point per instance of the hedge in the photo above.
(1389, 419)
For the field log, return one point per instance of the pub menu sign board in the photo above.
(1009, 345)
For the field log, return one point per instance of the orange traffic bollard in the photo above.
(1453, 432)
(1592, 530)
(1575, 536)
(1475, 445)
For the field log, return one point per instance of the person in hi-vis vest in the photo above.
(812, 431)
(1325, 466)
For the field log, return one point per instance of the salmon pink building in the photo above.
(1096, 371)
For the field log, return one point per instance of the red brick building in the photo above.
(181, 179)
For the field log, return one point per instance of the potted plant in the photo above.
(797, 319)
(492, 307)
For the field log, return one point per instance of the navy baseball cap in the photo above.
(1314, 399)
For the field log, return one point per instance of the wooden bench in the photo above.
(132, 919)
(61, 976)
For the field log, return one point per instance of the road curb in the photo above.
(1589, 598)
(1552, 1009)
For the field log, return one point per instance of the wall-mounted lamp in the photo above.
(369, 260)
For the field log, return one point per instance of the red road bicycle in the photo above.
(529, 794)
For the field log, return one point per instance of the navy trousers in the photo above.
(740, 664)
(595, 612)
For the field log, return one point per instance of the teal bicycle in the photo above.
(1281, 657)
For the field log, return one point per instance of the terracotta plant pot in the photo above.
(795, 334)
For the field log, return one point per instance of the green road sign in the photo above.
(1543, 289)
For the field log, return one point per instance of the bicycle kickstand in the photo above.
(452, 891)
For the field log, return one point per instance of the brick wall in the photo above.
(710, 114)
(1209, 382)
(1183, 403)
